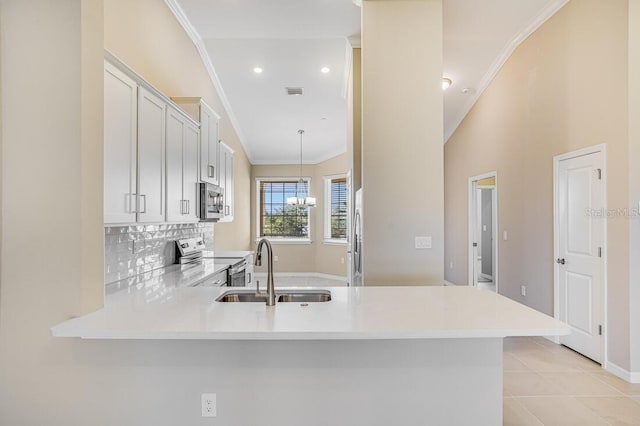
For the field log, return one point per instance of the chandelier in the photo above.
(297, 200)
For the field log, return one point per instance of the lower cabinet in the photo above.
(182, 167)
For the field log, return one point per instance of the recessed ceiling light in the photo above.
(257, 70)
(446, 82)
(325, 70)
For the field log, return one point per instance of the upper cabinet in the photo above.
(151, 149)
(157, 151)
(209, 130)
(121, 203)
(134, 138)
(226, 180)
(182, 167)
(216, 158)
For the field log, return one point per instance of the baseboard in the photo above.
(629, 376)
(263, 275)
(554, 339)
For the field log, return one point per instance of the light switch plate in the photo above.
(423, 242)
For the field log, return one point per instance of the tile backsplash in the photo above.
(133, 250)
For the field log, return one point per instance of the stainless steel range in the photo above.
(192, 250)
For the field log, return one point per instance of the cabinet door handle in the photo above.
(144, 198)
(129, 204)
(211, 170)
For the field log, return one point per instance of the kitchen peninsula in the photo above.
(370, 356)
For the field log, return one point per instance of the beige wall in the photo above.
(634, 180)
(145, 35)
(354, 120)
(402, 150)
(52, 255)
(563, 89)
(315, 257)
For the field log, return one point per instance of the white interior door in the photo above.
(478, 236)
(580, 193)
(483, 229)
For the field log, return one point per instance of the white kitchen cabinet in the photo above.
(209, 130)
(226, 180)
(120, 146)
(182, 166)
(190, 170)
(151, 145)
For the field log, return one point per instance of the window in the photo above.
(336, 209)
(277, 220)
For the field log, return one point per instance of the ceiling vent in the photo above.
(294, 91)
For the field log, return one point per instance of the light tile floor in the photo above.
(549, 384)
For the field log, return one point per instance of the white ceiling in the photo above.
(293, 39)
(479, 36)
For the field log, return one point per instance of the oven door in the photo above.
(238, 274)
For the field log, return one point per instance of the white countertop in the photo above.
(158, 309)
(233, 254)
(171, 277)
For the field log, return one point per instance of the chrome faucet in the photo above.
(271, 292)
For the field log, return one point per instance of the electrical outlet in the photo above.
(209, 407)
(523, 290)
(423, 243)
(275, 258)
(450, 265)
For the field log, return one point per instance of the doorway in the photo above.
(483, 231)
(580, 236)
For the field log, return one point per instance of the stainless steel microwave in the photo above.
(211, 202)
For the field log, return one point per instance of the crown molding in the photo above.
(547, 12)
(309, 162)
(193, 34)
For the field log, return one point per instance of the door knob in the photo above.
(560, 261)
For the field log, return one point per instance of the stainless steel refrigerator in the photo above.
(355, 243)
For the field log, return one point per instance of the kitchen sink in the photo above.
(242, 297)
(293, 296)
(316, 296)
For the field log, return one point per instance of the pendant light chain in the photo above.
(301, 132)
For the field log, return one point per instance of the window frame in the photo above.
(327, 238)
(258, 201)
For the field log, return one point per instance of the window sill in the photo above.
(334, 242)
(292, 241)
